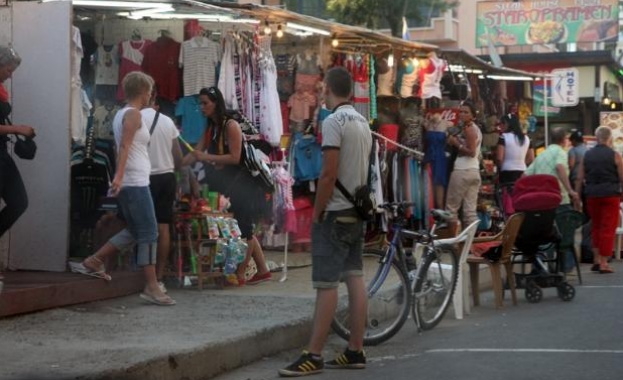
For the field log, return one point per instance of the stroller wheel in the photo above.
(566, 292)
(534, 294)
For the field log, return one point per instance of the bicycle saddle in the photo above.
(441, 215)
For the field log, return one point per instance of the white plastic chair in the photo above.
(460, 300)
(619, 234)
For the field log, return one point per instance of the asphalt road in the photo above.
(581, 339)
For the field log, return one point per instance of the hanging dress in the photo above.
(226, 81)
(132, 54)
(361, 98)
(435, 155)
(271, 124)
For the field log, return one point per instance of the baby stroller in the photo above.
(543, 230)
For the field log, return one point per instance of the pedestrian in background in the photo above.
(165, 155)
(338, 231)
(513, 152)
(465, 178)
(131, 187)
(553, 161)
(12, 190)
(601, 173)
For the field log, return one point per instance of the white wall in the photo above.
(40, 93)
(587, 81)
(5, 38)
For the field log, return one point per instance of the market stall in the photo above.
(85, 94)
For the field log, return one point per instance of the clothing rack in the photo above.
(416, 153)
(283, 164)
(252, 42)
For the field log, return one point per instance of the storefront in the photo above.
(598, 87)
(53, 103)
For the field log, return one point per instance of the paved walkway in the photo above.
(206, 333)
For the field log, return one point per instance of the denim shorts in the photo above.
(337, 246)
(142, 229)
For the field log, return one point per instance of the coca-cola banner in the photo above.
(447, 114)
(537, 22)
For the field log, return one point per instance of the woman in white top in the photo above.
(131, 187)
(465, 177)
(514, 153)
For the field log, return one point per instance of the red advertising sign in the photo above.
(448, 114)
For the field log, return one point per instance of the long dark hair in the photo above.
(215, 95)
(512, 121)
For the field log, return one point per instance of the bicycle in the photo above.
(425, 290)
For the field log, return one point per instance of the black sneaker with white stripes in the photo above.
(348, 360)
(307, 364)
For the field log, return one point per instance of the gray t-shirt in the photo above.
(349, 132)
(578, 152)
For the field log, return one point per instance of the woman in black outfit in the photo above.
(226, 174)
(12, 190)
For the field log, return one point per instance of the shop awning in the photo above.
(352, 34)
(477, 65)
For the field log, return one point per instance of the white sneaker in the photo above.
(163, 288)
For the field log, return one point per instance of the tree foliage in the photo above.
(371, 13)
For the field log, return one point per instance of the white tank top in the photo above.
(470, 163)
(138, 166)
(514, 154)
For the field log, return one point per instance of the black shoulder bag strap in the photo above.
(153, 124)
(341, 187)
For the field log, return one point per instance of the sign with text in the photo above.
(538, 102)
(537, 22)
(565, 87)
(447, 114)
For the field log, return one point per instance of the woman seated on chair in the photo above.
(601, 172)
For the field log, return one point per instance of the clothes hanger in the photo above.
(136, 35)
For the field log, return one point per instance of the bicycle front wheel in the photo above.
(389, 300)
(434, 286)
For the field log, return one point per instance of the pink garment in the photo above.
(284, 212)
(132, 54)
(306, 82)
(300, 105)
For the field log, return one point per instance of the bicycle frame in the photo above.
(381, 273)
(396, 246)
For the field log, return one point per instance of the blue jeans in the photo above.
(337, 246)
(137, 208)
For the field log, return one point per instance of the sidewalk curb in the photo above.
(214, 359)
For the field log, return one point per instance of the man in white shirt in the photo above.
(337, 232)
(165, 155)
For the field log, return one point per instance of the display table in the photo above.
(194, 249)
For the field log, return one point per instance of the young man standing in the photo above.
(338, 231)
(165, 155)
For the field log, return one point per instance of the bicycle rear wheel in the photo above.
(389, 300)
(434, 286)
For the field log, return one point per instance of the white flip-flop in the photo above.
(156, 301)
(81, 269)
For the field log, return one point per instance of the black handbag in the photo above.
(25, 147)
